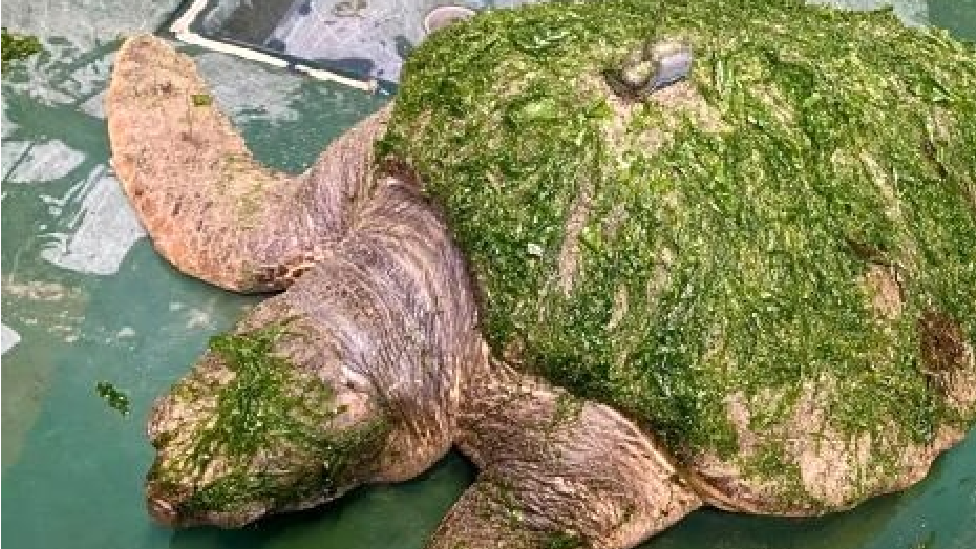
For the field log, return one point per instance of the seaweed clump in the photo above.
(113, 397)
(16, 47)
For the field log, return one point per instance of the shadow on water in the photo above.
(939, 512)
(928, 516)
(956, 16)
(721, 530)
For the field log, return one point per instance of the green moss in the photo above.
(497, 501)
(846, 141)
(266, 398)
(267, 432)
(568, 409)
(16, 47)
(322, 471)
(561, 540)
(770, 462)
(201, 100)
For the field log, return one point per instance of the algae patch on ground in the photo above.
(16, 47)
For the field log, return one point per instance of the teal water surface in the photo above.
(85, 299)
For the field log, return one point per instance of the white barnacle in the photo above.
(672, 61)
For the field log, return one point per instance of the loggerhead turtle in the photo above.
(751, 289)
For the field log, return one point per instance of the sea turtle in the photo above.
(752, 288)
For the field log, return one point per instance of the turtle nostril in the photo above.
(162, 511)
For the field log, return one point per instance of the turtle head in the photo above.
(255, 429)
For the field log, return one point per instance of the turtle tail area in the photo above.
(209, 207)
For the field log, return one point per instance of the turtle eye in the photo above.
(160, 440)
(352, 379)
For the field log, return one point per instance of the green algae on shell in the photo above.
(664, 259)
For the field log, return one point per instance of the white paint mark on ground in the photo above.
(197, 318)
(77, 50)
(99, 21)
(53, 307)
(95, 105)
(39, 290)
(102, 231)
(8, 338)
(39, 162)
(8, 126)
(248, 91)
(911, 12)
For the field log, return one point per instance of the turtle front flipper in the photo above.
(486, 517)
(557, 471)
(210, 208)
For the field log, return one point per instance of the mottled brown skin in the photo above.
(371, 274)
(551, 463)
(213, 211)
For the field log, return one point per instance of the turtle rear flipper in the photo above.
(210, 208)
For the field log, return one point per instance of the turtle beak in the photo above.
(161, 506)
(162, 511)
